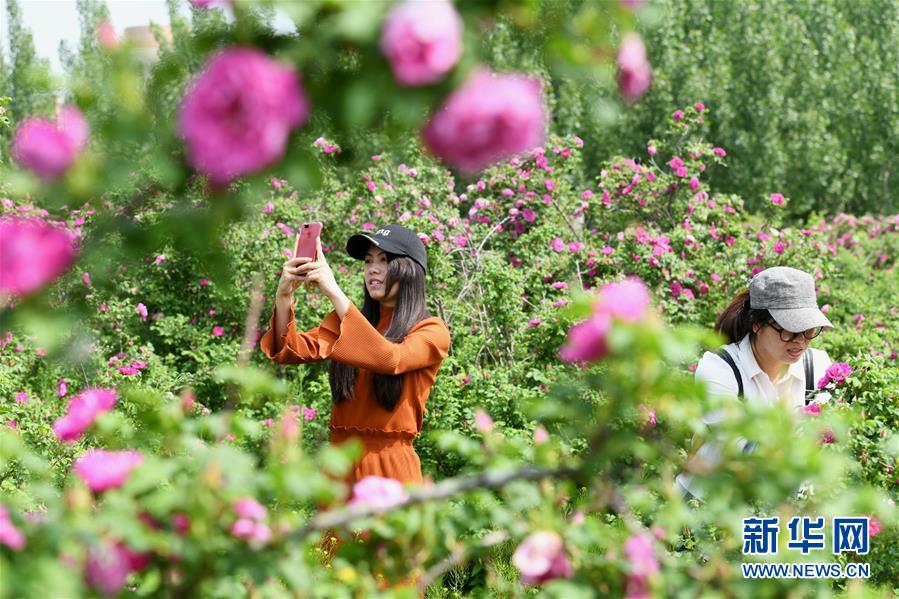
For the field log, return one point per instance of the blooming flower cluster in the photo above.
(836, 374)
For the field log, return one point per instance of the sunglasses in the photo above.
(786, 336)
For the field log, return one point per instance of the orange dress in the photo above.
(386, 436)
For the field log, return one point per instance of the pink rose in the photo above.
(874, 527)
(541, 557)
(678, 115)
(218, 331)
(812, 409)
(649, 418)
(22, 397)
(422, 41)
(643, 562)
(237, 115)
(777, 199)
(490, 118)
(482, 421)
(540, 435)
(634, 71)
(101, 469)
(46, 149)
(309, 414)
(62, 388)
(142, 310)
(719, 152)
(257, 533)
(32, 254)
(109, 565)
(106, 35)
(587, 340)
(626, 300)
(83, 410)
(378, 492)
(835, 373)
(250, 508)
(558, 245)
(9, 534)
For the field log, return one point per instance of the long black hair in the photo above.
(410, 309)
(739, 320)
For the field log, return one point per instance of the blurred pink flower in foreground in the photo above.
(46, 149)
(109, 565)
(106, 35)
(422, 41)
(482, 421)
(490, 118)
(634, 71)
(238, 113)
(83, 410)
(101, 469)
(625, 300)
(9, 534)
(32, 254)
(378, 492)
(248, 507)
(587, 340)
(541, 557)
(643, 562)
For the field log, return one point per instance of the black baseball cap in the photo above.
(394, 239)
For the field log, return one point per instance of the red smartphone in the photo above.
(306, 236)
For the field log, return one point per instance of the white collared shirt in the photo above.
(719, 379)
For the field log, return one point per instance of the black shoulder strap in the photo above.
(808, 366)
(725, 355)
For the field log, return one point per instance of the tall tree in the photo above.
(29, 80)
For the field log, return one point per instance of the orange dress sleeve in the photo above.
(356, 342)
(296, 347)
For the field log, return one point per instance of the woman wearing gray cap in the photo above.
(383, 358)
(768, 359)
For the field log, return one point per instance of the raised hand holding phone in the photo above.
(319, 273)
(304, 251)
(307, 237)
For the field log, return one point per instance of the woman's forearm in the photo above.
(341, 302)
(282, 318)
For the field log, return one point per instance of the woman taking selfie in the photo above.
(383, 358)
(768, 359)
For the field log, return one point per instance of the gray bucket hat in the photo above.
(789, 296)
